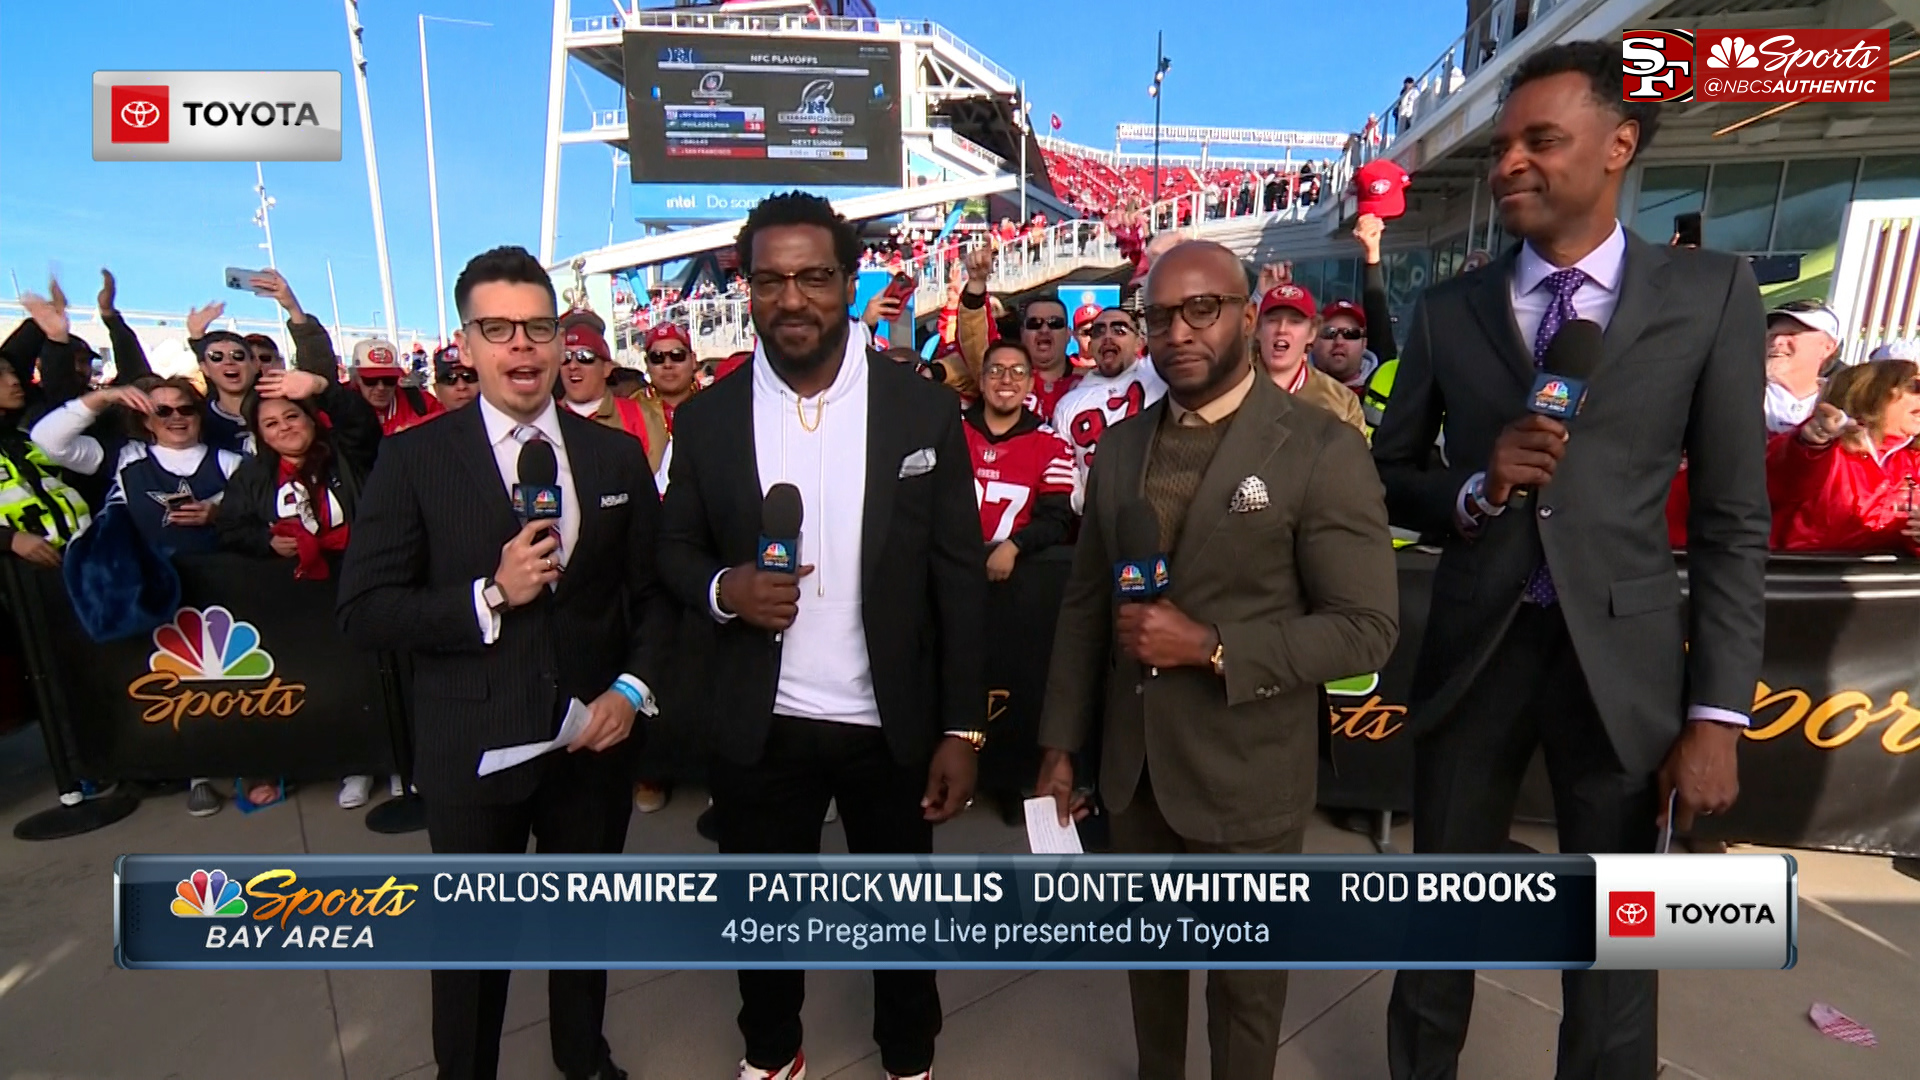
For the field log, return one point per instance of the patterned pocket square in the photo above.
(1249, 497)
(919, 462)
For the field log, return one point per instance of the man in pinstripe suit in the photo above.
(505, 624)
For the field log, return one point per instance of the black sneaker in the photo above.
(203, 801)
(708, 824)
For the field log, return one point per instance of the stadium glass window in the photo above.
(1740, 203)
(1342, 281)
(1665, 193)
(1889, 178)
(1813, 203)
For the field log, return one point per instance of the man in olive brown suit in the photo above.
(1281, 578)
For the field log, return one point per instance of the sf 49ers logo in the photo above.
(1657, 65)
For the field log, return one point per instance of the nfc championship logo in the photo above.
(816, 107)
(1657, 65)
(1630, 914)
(216, 116)
(712, 88)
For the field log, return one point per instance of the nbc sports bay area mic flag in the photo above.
(952, 911)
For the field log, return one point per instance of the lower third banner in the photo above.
(1017, 912)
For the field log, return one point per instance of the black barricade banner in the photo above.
(1829, 762)
(249, 677)
(1020, 618)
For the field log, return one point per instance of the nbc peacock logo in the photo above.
(208, 894)
(211, 646)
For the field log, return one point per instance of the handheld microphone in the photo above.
(780, 517)
(1560, 389)
(537, 496)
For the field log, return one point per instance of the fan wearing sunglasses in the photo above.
(672, 371)
(455, 382)
(1043, 332)
(582, 388)
(1122, 383)
(229, 370)
(377, 374)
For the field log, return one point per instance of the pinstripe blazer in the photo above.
(433, 518)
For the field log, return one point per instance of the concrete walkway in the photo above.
(66, 1012)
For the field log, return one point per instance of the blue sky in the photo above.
(167, 230)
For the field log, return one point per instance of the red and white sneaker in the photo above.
(792, 1070)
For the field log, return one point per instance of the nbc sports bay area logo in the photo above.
(277, 900)
(208, 894)
(207, 664)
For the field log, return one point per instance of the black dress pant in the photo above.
(1467, 776)
(578, 809)
(776, 807)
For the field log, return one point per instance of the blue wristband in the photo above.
(633, 696)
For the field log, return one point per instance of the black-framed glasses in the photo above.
(458, 375)
(539, 330)
(1116, 329)
(1055, 323)
(673, 357)
(380, 380)
(997, 372)
(580, 356)
(1199, 312)
(1350, 333)
(817, 281)
(224, 357)
(168, 412)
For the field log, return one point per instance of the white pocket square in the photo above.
(1250, 496)
(918, 462)
(613, 500)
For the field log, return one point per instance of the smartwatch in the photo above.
(494, 597)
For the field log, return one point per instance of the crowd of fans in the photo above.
(1097, 188)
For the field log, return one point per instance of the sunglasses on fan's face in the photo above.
(168, 412)
(223, 356)
(459, 375)
(580, 356)
(672, 356)
(1055, 323)
(1348, 332)
(1118, 329)
(380, 380)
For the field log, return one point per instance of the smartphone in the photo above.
(900, 288)
(172, 502)
(242, 280)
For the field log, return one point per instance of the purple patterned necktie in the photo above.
(1563, 284)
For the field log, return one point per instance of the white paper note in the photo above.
(1045, 834)
(507, 757)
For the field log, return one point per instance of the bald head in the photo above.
(1199, 321)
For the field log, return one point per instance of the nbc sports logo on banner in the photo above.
(208, 894)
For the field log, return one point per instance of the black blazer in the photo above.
(1683, 370)
(433, 518)
(923, 584)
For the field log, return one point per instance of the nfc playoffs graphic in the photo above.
(216, 116)
(1756, 65)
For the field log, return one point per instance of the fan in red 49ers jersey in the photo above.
(1022, 470)
(1043, 333)
(1122, 383)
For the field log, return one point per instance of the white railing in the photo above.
(609, 119)
(773, 24)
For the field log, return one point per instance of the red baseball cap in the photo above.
(1348, 308)
(1381, 185)
(1288, 296)
(667, 331)
(582, 336)
(1086, 314)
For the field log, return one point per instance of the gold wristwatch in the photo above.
(1219, 658)
(975, 739)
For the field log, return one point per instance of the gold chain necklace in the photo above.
(819, 414)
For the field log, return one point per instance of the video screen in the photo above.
(706, 108)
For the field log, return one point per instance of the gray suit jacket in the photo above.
(1683, 370)
(1302, 592)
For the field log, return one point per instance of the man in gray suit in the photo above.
(1557, 619)
(1281, 578)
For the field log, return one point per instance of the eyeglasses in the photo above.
(674, 357)
(1100, 330)
(458, 375)
(227, 357)
(580, 356)
(1350, 333)
(168, 412)
(1055, 323)
(500, 331)
(813, 281)
(1000, 371)
(1199, 312)
(380, 380)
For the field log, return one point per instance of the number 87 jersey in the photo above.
(1012, 472)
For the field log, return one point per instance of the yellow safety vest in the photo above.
(57, 518)
(1373, 406)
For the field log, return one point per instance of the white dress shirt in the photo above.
(1595, 301)
(1786, 412)
(825, 673)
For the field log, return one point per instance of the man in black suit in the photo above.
(860, 677)
(1557, 618)
(506, 624)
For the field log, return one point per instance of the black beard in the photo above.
(832, 343)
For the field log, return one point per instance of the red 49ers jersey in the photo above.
(1010, 474)
(1044, 399)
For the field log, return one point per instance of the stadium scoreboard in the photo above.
(1010, 912)
(722, 109)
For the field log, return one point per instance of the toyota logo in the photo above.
(1631, 914)
(139, 114)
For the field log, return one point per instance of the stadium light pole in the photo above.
(354, 30)
(433, 183)
(261, 214)
(1161, 64)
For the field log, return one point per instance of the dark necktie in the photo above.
(1563, 284)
